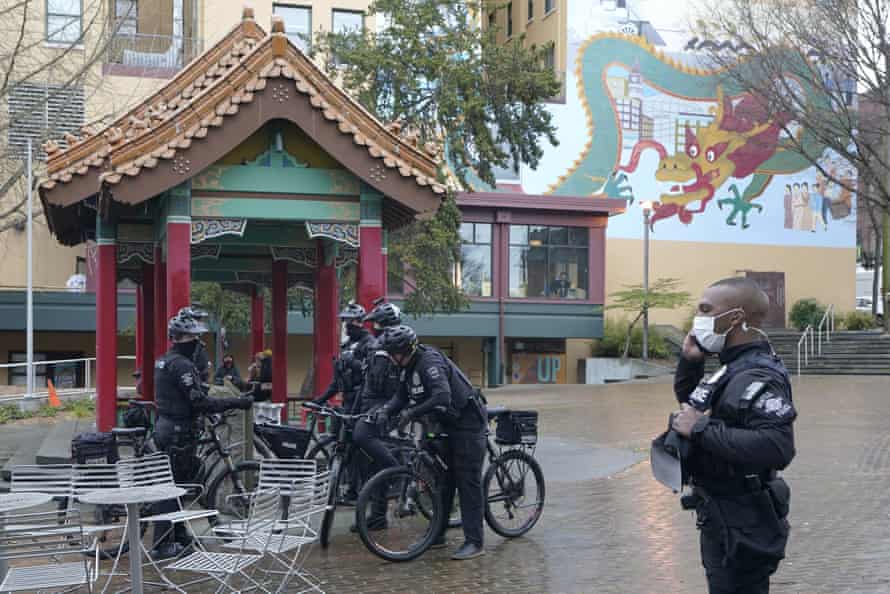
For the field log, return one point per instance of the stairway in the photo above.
(848, 353)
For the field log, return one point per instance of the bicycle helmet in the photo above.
(384, 315)
(184, 323)
(353, 311)
(195, 314)
(399, 340)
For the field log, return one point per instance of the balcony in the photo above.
(138, 54)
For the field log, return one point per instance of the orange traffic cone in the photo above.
(53, 397)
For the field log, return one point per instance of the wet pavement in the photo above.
(609, 527)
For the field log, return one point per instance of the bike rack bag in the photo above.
(89, 447)
(286, 441)
(517, 427)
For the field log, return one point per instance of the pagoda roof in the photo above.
(245, 80)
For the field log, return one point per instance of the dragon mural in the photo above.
(741, 142)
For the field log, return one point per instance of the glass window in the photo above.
(474, 269)
(531, 9)
(548, 262)
(549, 5)
(126, 15)
(348, 21)
(63, 21)
(297, 23)
(509, 19)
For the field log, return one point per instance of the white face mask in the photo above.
(703, 330)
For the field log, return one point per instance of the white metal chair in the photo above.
(40, 537)
(224, 567)
(52, 479)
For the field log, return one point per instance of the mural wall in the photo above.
(651, 124)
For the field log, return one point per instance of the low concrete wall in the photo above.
(601, 370)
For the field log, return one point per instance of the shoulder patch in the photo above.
(433, 373)
(774, 405)
(187, 380)
(753, 390)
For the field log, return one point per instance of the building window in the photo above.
(126, 17)
(548, 262)
(348, 21)
(474, 269)
(63, 21)
(492, 20)
(531, 9)
(38, 112)
(509, 19)
(297, 23)
(550, 57)
(549, 5)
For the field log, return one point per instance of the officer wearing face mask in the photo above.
(181, 400)
(736, 426)
(350, 366)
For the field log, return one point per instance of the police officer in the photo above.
(181, 400)
(350, 365)
(381, 382)
(432, 385)
(201, 356)
(739, 424)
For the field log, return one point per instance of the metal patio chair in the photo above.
(40, 537)
(249, 547)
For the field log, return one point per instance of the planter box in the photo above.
(603, 370)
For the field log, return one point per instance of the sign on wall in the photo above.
(538, 368)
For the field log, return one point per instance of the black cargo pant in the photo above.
(756, 538)
(373, 458)
(177, 440)
(465, 455)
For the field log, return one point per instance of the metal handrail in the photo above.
(87, 372)
(807, 347)
(826, 322)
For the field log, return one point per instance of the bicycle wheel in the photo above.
(327, 521)
(398, 514)
(241, 479)
(322, 452)
(514, 493)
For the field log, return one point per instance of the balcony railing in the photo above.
(164, 52)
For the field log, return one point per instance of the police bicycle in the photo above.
(513, 485)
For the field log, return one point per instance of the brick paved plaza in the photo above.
(609, 527)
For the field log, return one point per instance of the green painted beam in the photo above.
(278, 180)
(282, 209)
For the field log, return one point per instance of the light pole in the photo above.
(647, 210)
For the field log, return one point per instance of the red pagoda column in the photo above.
(325, 335)
(160, 303)
(371, 275)
(145, 357)
(106, 325)
(179, 246)
(257, 323)
(279, 333)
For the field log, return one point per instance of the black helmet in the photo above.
(399, 340)
(353, 311)
(185, 322)
(384, 315)
(190, 312)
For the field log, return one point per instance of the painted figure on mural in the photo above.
(739, 205)
(789, 213)
(817, 210)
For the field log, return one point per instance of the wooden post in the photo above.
(325, 335)
(279, 334)
(371, 276)
(257, 323)
(160, 303)
(106, 326)
(179, 246)
(147, 358)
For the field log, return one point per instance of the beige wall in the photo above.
(541, 29)
(827, 274)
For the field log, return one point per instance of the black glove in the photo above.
(245, 402)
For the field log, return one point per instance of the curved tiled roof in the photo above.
(214, 87)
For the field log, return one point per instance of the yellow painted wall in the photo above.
(827, 274)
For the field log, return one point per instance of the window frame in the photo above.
(548, 247)
(336, 11)
(553, 5)
(62, 42)
(308, 9)
(530, 6)
(492, 269)
(120, 19)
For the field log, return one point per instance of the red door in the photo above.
(773, 284)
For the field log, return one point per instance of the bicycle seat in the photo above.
(128, 431)
(143, 403)
(496, 411)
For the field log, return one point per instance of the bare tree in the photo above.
(821, 68)
(50, 65)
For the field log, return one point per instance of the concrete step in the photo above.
(56, 446)
(25, 454)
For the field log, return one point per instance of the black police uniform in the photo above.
(381, 383)
(431, 384)
(180, 400)
(349, 372)
(740, 503)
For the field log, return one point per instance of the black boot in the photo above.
(468, 550)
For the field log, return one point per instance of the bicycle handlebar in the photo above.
(327, 411)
